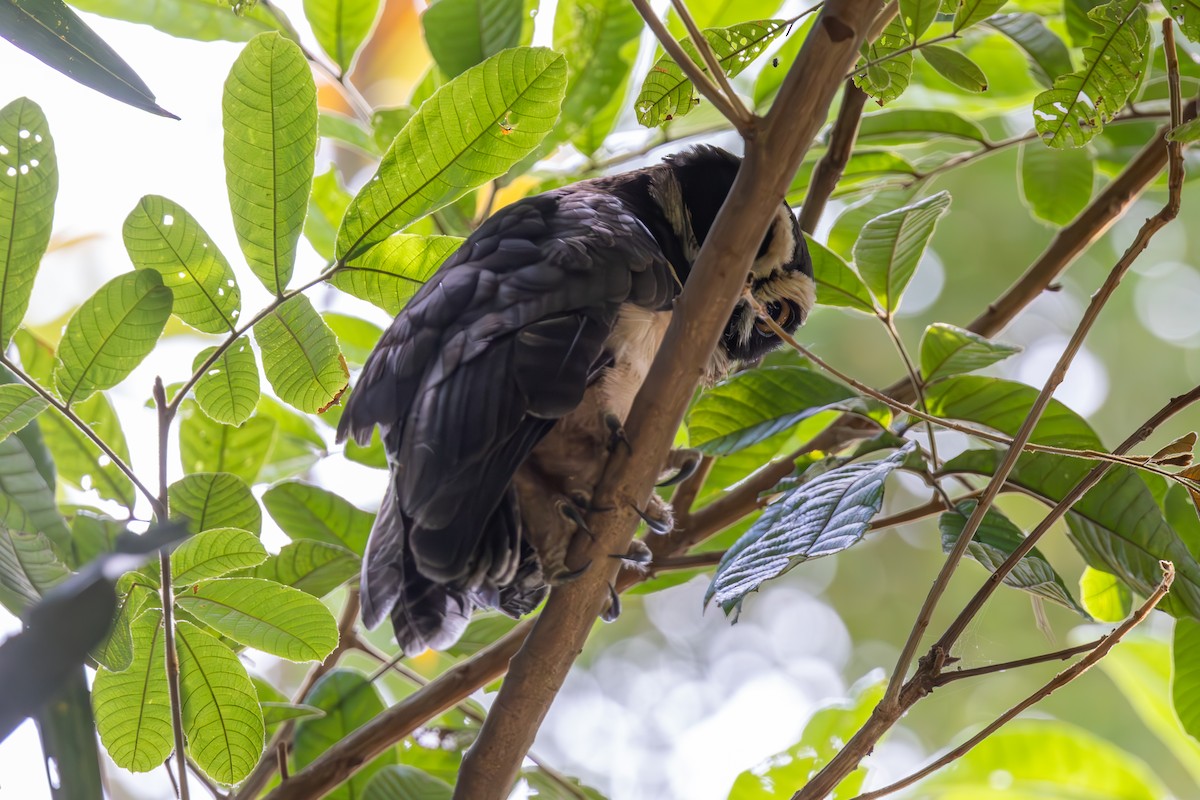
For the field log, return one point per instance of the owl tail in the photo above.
(425, 614)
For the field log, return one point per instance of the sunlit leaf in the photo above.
(1055, 184)
(270, 121)
(297, 444)
(356, 337)
(19, 405)
(27, 487)
(956, 68)
(386, 124)
(1048, 54)
(301, 357)
(918, 15)
(111, 333)
(886, 80)
(1080, 27)
(311, 566)
(472, 130)
(215, 500)
(1104, 595)
(267, 616)
(132, 708)
(161, 235)
(341, 26)
(909, 125)
(890, 247)
(205, 20)
(462, 33)
(221, 716)
(389, 274)
(837, 284)
(865, 169)
(228, 390)
(28, 187)
(771, 76)
(326, 206)
(347, 131)
(1187, 14)
(948, 350)
(305, 511)
(213, 553)
(79, 460)
(209, 446)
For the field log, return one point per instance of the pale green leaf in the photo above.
(341, 26)
(215, 500)
(1048, 54)
(311, 566)
(970, 12)
(356, 337)
(470, 131)
(221, 716)
(19, 405)
(1187, 133)
(956, 68)
(721, 13)
(29, 566)
(347, 131)
(297, 444)
(389, 274)
(1056, 184)
(132, 707)
(205, 20)
(948, 350)
(111, 333)
(890, 247)
(270, 120)
(309, 512)
(209, 446)
(863, 171)
(275, 713)
(28, 187)
(228, 390)
(462, 33)
(301, 357)
(913, 125)
(386, 124)
(1187, 14)
(27, 487)
(326, 206)
(837, 284)
(918, 15)
(161, 235)
(79, 460)
(349, 701)
(410, 783)
(1185, 675)
(213, 553)
(267, 616)
(1104, 595)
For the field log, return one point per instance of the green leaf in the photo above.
(771, 76)
(92, 534)
(111, 333)
(24, 492)
(1047, 53)
(28, 187)
(1187, 14)
(347, 131)
(132, 707)
(55, 35)
(258, 613)
(161, 235)
(221, 715)
(850, 222)
(756, 404)
(994, 542)
(228, 390)
(349, 701)
(600, 41)
(19, 405)
(1080, 27)
(890, 247)
(970, 12)
(470, 131)
(667, 93)
(824, 735)
(275, 713)
(386, 124)
(918, 15)
(462, 33)
(326, 207)
(67, 729)
(837, 284)
(1003, 406)
(721, 13)
(912, 125)
(1075, 110)
(956, 68)
(215, 500)
(297, 444)
(888, 79)
(1187, 133)
(311, 566)
(410, 783)
(115, 653)
(270, 120)
(356, 337)
(863, 171)
(1045, 758)
(1185, 675)
(204, 20)
(820, 517)
(305, 511)
(29, 566)
(1104, 596)
(79, 460)
(301, 357)
(1181, 512)
(948, 350)
(1056, 184)
(341, 26)
(208, 446)
(389, 274)
(214, 553)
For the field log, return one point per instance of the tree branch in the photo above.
(714, 66)
(829, 169)
(1057, 655)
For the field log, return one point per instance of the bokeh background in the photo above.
(672, 701)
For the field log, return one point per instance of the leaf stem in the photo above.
(861, 68)
(1057, 655)
(918, 387)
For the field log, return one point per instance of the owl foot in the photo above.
(685, 461)
(616, 434)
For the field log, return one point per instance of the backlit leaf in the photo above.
(341, 26)
(948, 350)
(311, 566)
(462, 33)
(228, 390)
(301, 357)
(1056, 184)
(890, 247)
(305, 511)
(132, 708)
(215, 500)
(389, 274)
(213, 553)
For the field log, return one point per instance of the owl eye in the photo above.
(780, 312)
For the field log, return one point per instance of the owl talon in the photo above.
(638, 554)
(614, 605)
(686, 461)
(658, 526)
(567, 577)
(616, 434)
(574, 515)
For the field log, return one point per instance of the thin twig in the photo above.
(84, 428)
(743, 121)
(1060, 680)
(1057, 655)
(208, 784)
(714, 66)
(829, 169)
(914, 379)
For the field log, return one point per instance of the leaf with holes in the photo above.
(470, 131)
(1104, 596)
(1056, 184)
(667, 93)
(215, 500)
(270, 121)
(890, 247)
(228, 390)
(301, 357)
(221, 715)
(110, 334)
(1048, 54)
(258, 613)
(956, 68)
(341, 26)
(79, 460)
(161, 235)
(349, 701)
(311, 566)
(1187, 14)
(1081, 102)
(213, 553)
(949, 350)
(887, 79)
(817, 518)
(462, 33)
(132, 707)
(28, 187)
(994, 542)
(837, 284)
(389, 274)
(208, 446)
(309, 512)
(19, 405)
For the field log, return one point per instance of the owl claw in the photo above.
(616, 434)
(614, 605)
(574, 515)
(686, 461)
(566, 577)
(659, 526)
(638, 554)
